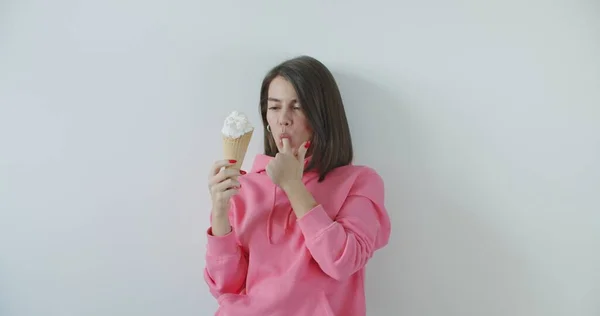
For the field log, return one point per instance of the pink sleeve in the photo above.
(344, 245)
(226, 264)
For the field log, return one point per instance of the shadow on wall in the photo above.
(442, 257)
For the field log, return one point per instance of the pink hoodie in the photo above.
(274, 264)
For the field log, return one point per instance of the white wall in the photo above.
(482, 116)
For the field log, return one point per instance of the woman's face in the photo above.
(285, 115)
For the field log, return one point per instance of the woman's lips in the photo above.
(283, 136)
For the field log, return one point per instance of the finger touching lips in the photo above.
(286, 144)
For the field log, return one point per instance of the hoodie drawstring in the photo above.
(270, 219)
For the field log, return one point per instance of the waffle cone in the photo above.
(235, 148)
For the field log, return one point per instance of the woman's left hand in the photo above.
(288, 167)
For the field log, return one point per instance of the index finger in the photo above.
(220, 164)
(286, 146)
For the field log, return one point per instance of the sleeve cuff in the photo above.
(221, 245)
(315, 222)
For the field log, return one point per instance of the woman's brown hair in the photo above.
(318, 92)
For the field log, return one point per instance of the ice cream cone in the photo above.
(236, 148)
(237, 133)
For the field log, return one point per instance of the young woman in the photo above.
(292, 236)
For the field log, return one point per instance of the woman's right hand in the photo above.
(223, 184)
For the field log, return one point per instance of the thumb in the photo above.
(302, 151)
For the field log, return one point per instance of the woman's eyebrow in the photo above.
(278, 100)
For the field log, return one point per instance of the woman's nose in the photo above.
(285, 119)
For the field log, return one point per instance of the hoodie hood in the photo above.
(260, 166)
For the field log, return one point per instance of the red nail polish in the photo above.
(307, 145)
(242, 172)
(232, 161)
